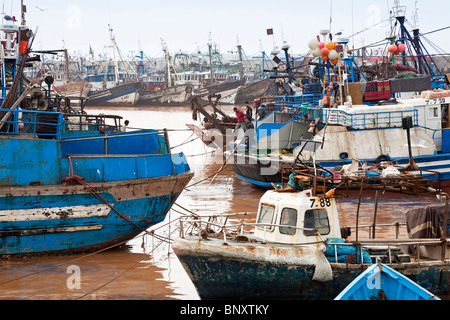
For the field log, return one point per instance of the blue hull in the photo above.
(74, 191)
(252, 171)
(78, 221)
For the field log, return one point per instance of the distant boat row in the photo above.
(154, 93)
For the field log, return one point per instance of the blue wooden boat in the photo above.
(381, 282)
(72, 182)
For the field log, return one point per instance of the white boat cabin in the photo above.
(200, 79)
(431, 115)
(367, 132)
(290, 218)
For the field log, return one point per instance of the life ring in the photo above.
(188, 89)
(383, 158)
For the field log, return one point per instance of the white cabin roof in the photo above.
(300, 210)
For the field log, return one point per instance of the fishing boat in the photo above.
(63, 72)
(381, 282)
(74, 89)
(74, 182)
(294, 248)
(366, 122)
(113, 86)
(126, 93)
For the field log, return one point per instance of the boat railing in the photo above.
(313, 99)
(44, 124)
(162, 136)
(100, 122)
(199, 224)
(371, 228)
(369, 120)
(301, 112)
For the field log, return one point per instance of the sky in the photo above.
(187, 25)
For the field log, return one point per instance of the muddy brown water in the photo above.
(145, 268)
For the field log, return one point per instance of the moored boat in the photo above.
(72, 186)
(121, 94)
(75, 89)
(73, 182)
(295, 249)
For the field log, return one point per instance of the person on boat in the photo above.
(261, 113)
(124, 127)
(240, 115)
(296, 183)
(248, 111)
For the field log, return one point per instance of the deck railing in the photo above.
(44, 124)
(369, 120)
(211, 222)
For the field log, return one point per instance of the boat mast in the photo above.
(423, 65)
(167, 57)
(66, 60)
(23, 10)
(113, 45)
(241, 63)
(210, 58)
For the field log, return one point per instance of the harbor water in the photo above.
(145, 268)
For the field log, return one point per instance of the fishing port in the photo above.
(293, 166)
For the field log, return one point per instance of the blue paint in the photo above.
(113, 228)
(141, 177)
(29, 160)
(258, 183)
(390, 283)
(52, 201)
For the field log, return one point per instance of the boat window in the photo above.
(288, 218)
(433, 113)
(444, 117)
(316, 219)
(266, 216)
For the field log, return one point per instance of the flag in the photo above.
(269, 32)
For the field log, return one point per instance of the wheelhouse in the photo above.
(296, 218)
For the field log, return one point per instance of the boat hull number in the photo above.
(323, 202)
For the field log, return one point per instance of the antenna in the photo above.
(416, 16)
(331, 14)
(399, 10)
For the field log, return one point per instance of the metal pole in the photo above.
(359, 206)
(166, 138)
(375, 214)
(444, 232)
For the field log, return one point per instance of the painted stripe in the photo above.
(34, 232)
(70, 212)
(259, 183)
(434, 163)
(27, 201)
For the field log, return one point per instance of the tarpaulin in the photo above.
(424, 223)
(411, 85)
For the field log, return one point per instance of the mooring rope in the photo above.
(152, 233)
(124, 272)
(99, 197)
